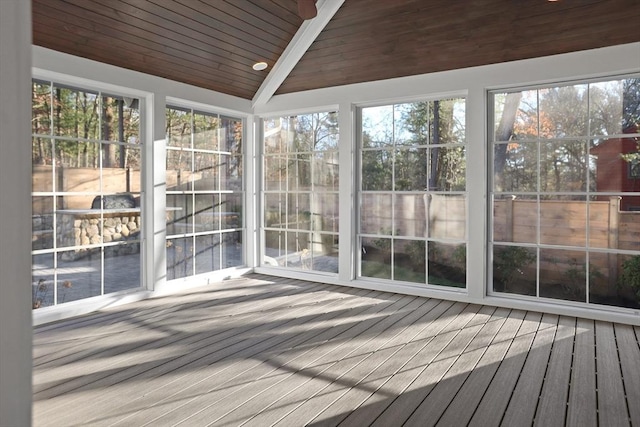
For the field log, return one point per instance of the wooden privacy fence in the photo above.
(567, 223)
(571, 223)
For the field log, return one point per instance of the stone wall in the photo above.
(84, 228)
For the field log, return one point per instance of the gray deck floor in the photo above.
(262, 351)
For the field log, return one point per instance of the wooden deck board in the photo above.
(262, 351)
(583, 408)
(612, 411)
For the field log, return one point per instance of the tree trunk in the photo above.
(503, 134)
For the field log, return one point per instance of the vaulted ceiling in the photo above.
(213, 43)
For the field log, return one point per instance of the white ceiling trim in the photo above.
(306, 35)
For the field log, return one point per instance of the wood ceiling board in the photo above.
(213, 43)
(160, 64)
(134, 37)
(369, 40)
(209, 44)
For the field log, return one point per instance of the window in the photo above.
(300, 192)
(412, 193)
(562, 227)
(205, 192)
(86, 160)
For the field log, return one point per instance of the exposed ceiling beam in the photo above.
(305, 36)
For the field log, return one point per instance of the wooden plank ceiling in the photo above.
(213, 43)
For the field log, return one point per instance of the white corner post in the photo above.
(155, 275)
(15, 213)
(346, 207)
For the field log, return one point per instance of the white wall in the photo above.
(473, 83)
(15, 227)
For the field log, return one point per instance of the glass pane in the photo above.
(516, 116)
(119, 226)
(79, 275)
(563, 274)
(447, 216)
(410, 215)
(206, 169)
(178, 172)
(75, 224)
(515, 219)
(179, 258)
(375, 214)
(409, 261)
(447, 169)
(327, 131)
(411, 170)
(614, 279)
(207, 212)
(624, 271)
(299, 172)
(324, 212)
(448, 121)
(602, 234)
(514, 270)
(122, 267)
(119, 122)
(325, 171)
(231, 211)
(377, 126)
(125, 179)
(298, 250)
(447, 264)
(324, 253)
(231, 135)
(205, 131)
(377, 167)
(42, 223)
(299, 211)
(376, 257)
(275, 173)
(275, 210)
(515, 167)
(179, 214)
(76, 113)
(274, 248)
(564, 111)
(42, 161)
(231, 173)
(42, 279)
(232, 249)
(178, 128)
(40, 108)
(303, 136)
(563, 166)
(411, 125)
(207, 253)
(272, 131)
(78, 167)
(614, 106)
(615, 167)
(563, 220)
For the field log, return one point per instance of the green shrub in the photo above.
(630, 275)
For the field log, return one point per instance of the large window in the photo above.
(204, 192)
(564, 219)
(86, 159)
(300, 192)
(412, 193)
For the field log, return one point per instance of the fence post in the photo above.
(614, 221)
(509, 219)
